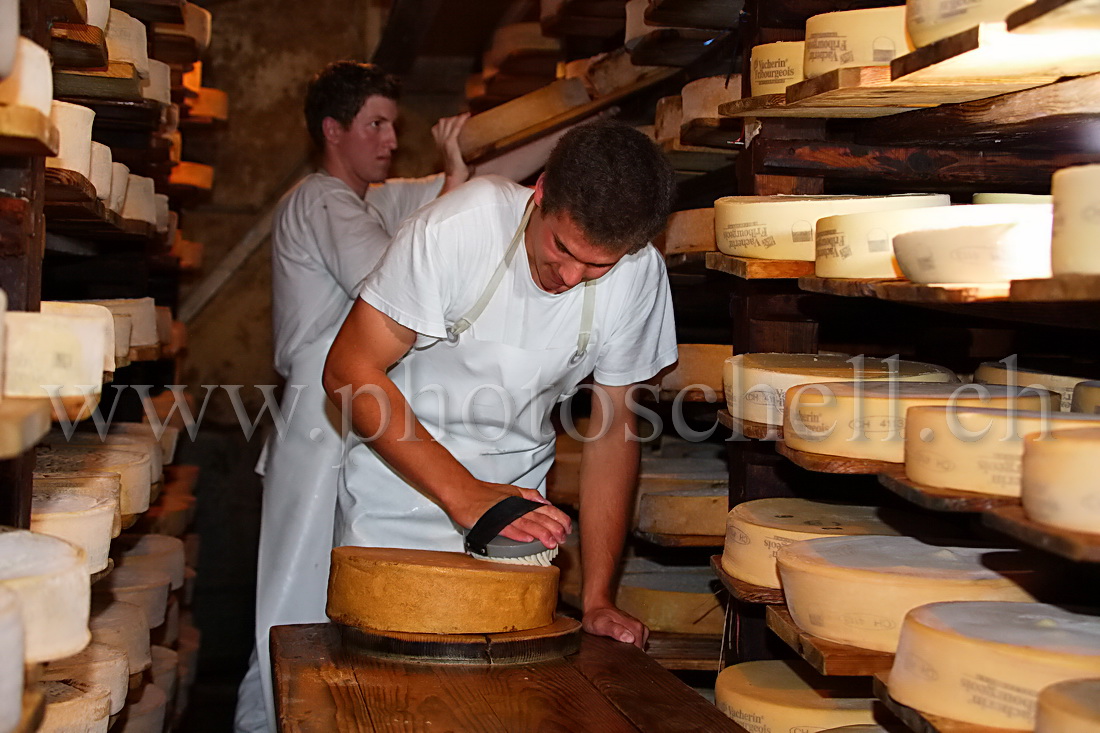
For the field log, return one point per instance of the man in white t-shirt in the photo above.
(491, 305)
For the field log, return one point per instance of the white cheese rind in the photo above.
(146, 713)
(122, 625)
(1072, 706)
(985, 663)
(141, 586)
(11, 660)
(101, 171)
(75, 707)
(74, 125)
(76, 460)
(775, 66)
(30, 80)
(1076, 220)
(87, 310)
(165, 669)
(930, 20)
(97, 664)
(127, 41)
(158, 87)
(99, 13)
(120, 180)
(9, 35)
(45, 352)
(636, 27)
(867, 37)
(78, 517)
(1058, 479)
(140, 204)
(141, 310)
(995, 372)
(152, 551)
(702, 96)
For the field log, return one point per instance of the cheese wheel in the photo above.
(1002, 242)
(698, 365)
(168, 633)
(930, 20)
(689, 231)
(756, 384)
(782, 227)
(49, 355)
(636, 27)
(74, 126)
(160, 200)
(147, 713)
(667, 598)
(78, 460)
(9, 37)
(978, 449)
(101, 171)
(1076, 220)
(997, 372)
(97, 664)
(1072, 706)
(140, 444)
(141, 310)
(857, 590)
(437, 592)
(1012, 198)
(702, 96)
(78, 517)
(122, 625)
(866, 420)
(166, 435)
(1086, 397)
(88, 310)
(142, 586)
(99, 13)
(867, 37)
(756, 530)
(158, 87)
(96, 486)
(139, 204)
(1058, 479)
(75, 707)
(120, 181)
(198, 22)
(777, 695)
(685, 511)
(775, 66)
(165, 669)
(862, 245)
(986, 662)
(126, 41)
(50, 579)
(124, 328)
(30, 81)
(11, 660)
(152, 551)
(668, 118)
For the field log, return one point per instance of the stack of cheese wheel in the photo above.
(670, 598)
(143, 587)
(126, 41)
(140, 204)
(1086, 397)
(1058, 479)
(142, 313)
(1075, 221)
(866, 420)
(74, 124)
(978, 449)
(857, 590)
(782, 227)
(685, 507)
(418, 591)
(120, 181)
(50, 579)
(930, 20)
(778, 695)
(96, 485)
(152, 551)
(756, 384)
(1012, 198)
(998, 372)
(999, 243)
(985, 663)
(94, 312)
(775, 66)
(123, 626)
(1072, 706)
(147, 713)
(141, 444)
(699, 367)
(756, 530)
(165, 669)
(11, 660)
(862, 245)
(868, 37)
(30, 82)
(98, 664)
(83, 516)
(100, 175)
(74, 461)
(75, 706)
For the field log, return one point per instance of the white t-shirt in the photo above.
(442, 258)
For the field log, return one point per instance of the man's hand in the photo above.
(548, 524)
(446, 133)
(611, 622)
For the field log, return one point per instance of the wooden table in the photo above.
(607, 686)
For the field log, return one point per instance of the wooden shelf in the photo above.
(749, 428)
(827, 657)
(1011, 520)
(1045, 16)
(152, 11)
(591, 18)
(845, 288)
(703, 14)
(721, 133)
(745, 592)
(672, 47)
(919, 722)
(120, 114)
(685, 652)
(172, 46)
(686, 260)
(23, 422)
(775, 105)
(750, 268)
(71, 208)
(1056, 289)
(26, 131)
(832, 464)
(937, 499)
(697, 158)
(119, 81)
(78, 46)
(904, 291)
(680, 540)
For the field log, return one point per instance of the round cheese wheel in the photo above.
(74, 124)
(667, 598)
(124, 626)
(147, 713)
(126, 41)
(866, 420)
(1076, 220)
(1058, 479)
(437, 592)
(50, 355)
(985, 251)
(168, 633)
(99, 12)
(782, 227)
(700, 98)
(930, 20)
(696, 511)
(140, 444)
(11, 660)
(857, 590)
(29, 82)
(141, 310)
(50, 578)
(140, 204)
(756, 384)
(775, 66)
(985, 662)
(1072, 706)
(153, 551)
(165, 669)
(977, 449)
(698, 366)
(120, 180)
(867, 37)
(996, 372)
(101, 171)
(87, 310)
(756, 530)
(141, 586)
(97, 664)
(158, 87)
(77, 516)
(777, 695)
(1086, 397)
(1012, 198)
(78, 460)
(75, 706)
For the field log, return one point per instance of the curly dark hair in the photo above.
(340, 90)
(613, 182)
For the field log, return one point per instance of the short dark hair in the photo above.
(612, 181)
(340, 90)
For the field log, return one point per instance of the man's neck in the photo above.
(335, 167)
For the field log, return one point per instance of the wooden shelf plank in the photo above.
(23, 422)
(695, 158)
(1011, 520)
(1047, 16)
(827, 657)
(26, 131)
(909, 292)
(677, 47)
(152, 11)
(750, 268)
(681, 540)
(722, 133)
(1056, 289)
(832, 464)
(119, 81)
(775, 105)
(702, 14)
(71, 208)
(749, 428)
(919, 722)
(78, 46)
(937, 499)
(172, 45)
(854, 288)
(685, 652)
(742, 591)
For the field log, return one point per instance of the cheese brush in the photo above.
(484, 542)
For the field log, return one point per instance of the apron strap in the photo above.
(588, 310)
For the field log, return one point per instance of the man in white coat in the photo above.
(491, 305)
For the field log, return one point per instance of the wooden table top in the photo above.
(607, 686)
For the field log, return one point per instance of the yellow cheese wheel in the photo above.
(867, 37)
(1086, 397)
(698, 366)
(1058, 479)
(1012, 198)
(671, 598)
(775, 66)
(997, 372)
(695, 511)
(930, 20)
(1072, 706)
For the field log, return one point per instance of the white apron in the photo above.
(492, 413)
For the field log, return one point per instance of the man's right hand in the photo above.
(446, 133)
(547, 524)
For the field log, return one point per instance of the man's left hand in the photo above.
(611, 622)
(446, 133)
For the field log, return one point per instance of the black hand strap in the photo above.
(499, 516)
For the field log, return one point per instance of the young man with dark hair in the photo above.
(492, 305)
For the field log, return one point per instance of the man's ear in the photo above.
(332, 130)
(538, 189)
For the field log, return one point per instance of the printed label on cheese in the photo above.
(862, 245)
(867, 37)
(775, 66)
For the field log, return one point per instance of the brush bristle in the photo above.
(539, 558)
